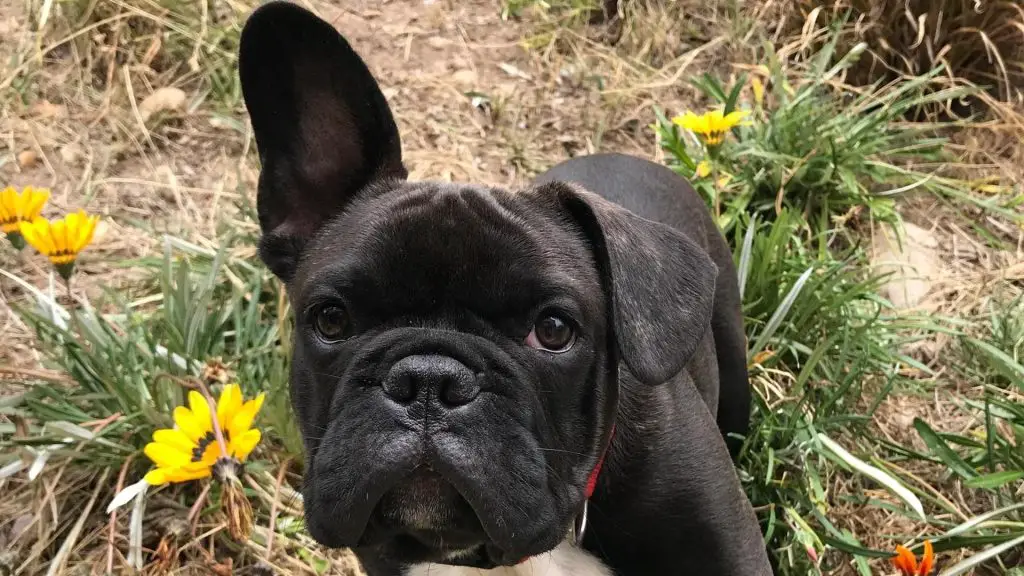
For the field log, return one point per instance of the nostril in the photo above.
(440, 378)
(459, 389)
(400, 385)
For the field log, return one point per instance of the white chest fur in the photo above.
(565, 560)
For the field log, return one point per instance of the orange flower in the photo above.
(906, 562)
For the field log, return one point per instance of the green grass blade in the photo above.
(875, 474)
(981, 519)
(995, 480)
(780, 314)
(942, 450)
(1001, 361)
(981, 557)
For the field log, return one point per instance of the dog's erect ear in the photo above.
(323, 129)
(660, 283)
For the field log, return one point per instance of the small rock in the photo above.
(27, 158)
(167, 99)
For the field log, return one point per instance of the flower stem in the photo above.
(718, 192)
(217, 432)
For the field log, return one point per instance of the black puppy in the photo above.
(480, 372)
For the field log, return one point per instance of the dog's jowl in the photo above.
(540, 381)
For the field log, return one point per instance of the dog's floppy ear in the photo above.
(323, 129)
(661, 284)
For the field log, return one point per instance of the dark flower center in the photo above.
(204, 442)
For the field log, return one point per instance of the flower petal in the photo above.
(200, 411)
(37, 234)
(928, 560)
(187, 423)
(59, 235)
(244, 444)
(34, 205)
(905, 562)
(690, 121)
(175, 438)
(84, 231)
(703, 169)
(243, 420)
(186, 474)
(165, 456)
(156, 477)
(174, 475)
(228, 405)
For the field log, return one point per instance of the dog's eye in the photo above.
(552, 333)
(331, 323)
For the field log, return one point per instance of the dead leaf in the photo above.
(167, 99)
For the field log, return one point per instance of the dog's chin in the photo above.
(424, 518)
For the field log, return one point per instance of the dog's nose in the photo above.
(430, 377)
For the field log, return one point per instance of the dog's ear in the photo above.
(660, 283)
(323, 128)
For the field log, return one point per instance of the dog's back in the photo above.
(656, 193)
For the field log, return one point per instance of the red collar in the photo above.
(592, 480)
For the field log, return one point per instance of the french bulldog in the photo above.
(491, 381)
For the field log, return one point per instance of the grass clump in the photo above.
(816, 146)
(820, 340)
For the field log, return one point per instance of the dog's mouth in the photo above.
(424, 518)
(411, 501)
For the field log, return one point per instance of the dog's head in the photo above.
(456, 347)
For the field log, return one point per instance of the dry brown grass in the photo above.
(978, 41)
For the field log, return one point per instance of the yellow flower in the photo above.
(61, 240)
(190, 450)
(703, 169)
(757, 87)
(713, 125)
(17, 207)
